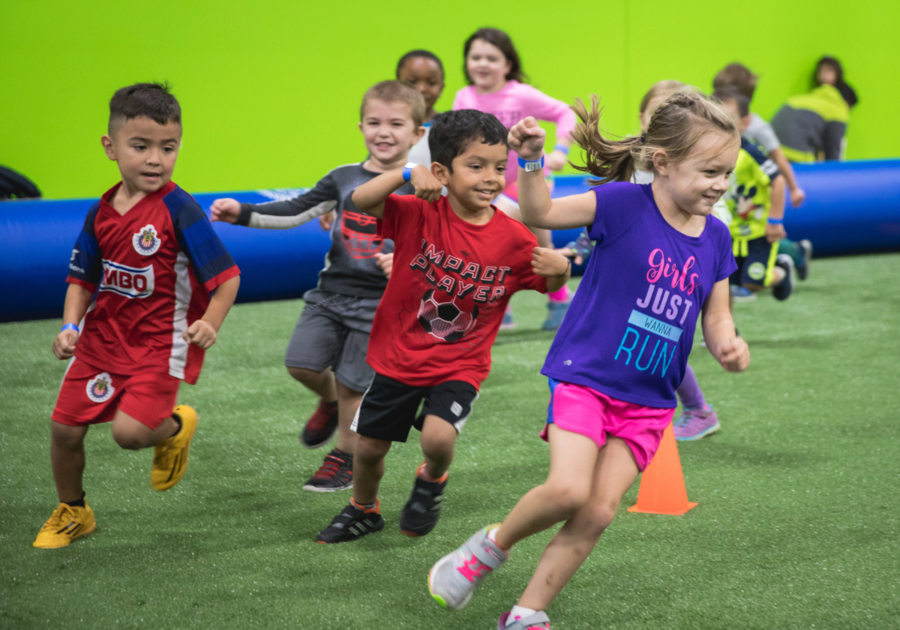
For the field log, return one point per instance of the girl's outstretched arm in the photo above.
(527, 139)
(729, 350)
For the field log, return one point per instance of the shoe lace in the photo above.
(56, 519)
(163, 458)
(329, 468)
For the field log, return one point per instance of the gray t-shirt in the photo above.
(350, 267)
(421, 153)
(760, 133)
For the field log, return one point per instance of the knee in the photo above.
(371, 451)
(438, 445)
(568, 500)
(304, 376)
(128, 439)
(600, 515)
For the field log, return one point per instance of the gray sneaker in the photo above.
(454, 578)
(537, 621)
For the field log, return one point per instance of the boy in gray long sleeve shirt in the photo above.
(327, 351)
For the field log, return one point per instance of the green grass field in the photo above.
(797, 524)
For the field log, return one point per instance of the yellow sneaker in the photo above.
(65, 525)
(170, 458)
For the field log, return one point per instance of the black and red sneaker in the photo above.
(422, 511)
(321, 426)
(335, 473)
(352, 523)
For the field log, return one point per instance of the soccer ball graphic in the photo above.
(444, 320)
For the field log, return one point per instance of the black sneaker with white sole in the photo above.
(352, 524)
(422, 511)
(783, 290)
(335, 473)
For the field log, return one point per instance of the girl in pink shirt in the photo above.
(495, 77)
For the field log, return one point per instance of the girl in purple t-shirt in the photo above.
(623, 347)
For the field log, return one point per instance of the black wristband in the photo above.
(568, 269)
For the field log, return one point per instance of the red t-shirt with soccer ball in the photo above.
(449, 287)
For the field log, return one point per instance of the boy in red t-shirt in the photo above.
(457, 261)
(151, 284)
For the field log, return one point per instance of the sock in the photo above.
(518, 612)
(178, 422)
(365, 507)
(422, 474)
(78, 503)
(562, 295)
(793, 250)
(689, 392)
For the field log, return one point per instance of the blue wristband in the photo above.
(561, 148)
(531, 165)
(775, 221)
(70, 327)
(407, 173)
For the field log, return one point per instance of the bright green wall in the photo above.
(270, 89)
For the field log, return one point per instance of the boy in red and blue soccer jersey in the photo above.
(164, 283)
(457, 261)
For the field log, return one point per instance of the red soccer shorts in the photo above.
(89, 395)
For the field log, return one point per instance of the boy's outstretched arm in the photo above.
(77, 301)
(728, 349)
(551, 265)
(369, 197)
(776, 232)
(203, 331)
(797, 193)
(526, 138)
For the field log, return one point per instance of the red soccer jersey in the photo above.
(154, 267)
(449, 287)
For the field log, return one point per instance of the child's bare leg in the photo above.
(616, 471)
(368, 468)
(67, 459)
(573, 458)
(348, 403)
(321, 383)
(438, 440)
(134, 435)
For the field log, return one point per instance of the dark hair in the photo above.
(150, 100)
(452, 132)
(416, 54)
(502, 41)
(675, 127)
(835, 65)
(396, 92)
(727, 93)
(847, 92)
(739, 76)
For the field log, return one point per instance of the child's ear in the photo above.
(441, 172)
(107, 143)
(420, 131)
(661, 162)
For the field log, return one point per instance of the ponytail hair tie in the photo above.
(643, 138)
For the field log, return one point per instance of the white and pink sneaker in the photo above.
(454, 578)
(537, 621)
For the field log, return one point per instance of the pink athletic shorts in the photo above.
(90, 395)
(590, 413)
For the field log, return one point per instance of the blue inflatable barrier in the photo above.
(851, 207)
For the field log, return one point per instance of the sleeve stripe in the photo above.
(223, 277)
(82, 283)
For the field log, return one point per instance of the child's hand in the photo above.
(226, 210)
(326, 221)
(200, 333)
(797, 197)
(556, 161)
(775, 233)
(426, 184)
(734, 354)
(549, 263)
(386, 262)
(527, 139)
(64, 344)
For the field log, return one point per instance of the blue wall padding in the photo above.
(851, 207)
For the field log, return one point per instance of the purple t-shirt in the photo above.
(630, 326)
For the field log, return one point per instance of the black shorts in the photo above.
(757, 266)
(390, 408)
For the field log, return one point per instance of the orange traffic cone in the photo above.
(662, 488)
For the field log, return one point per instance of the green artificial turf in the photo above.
(797, 523)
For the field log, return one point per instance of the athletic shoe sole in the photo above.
(318, 444)
(702, 434)
(318, 489)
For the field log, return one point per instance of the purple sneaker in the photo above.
(695, 423)
(537, 621)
